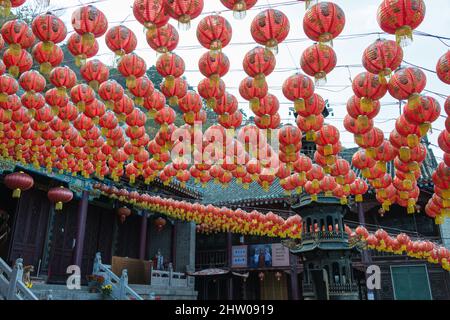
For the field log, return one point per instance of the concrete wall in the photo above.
(445, 233)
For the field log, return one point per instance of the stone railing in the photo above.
(324, 236)
(120, 288)
(170, 279)
(11, 285)
(333, 288)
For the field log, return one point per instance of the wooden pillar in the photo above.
(294, 278)
(143, 240)
(366, 258)
(81, 228)
(174, 245)
(229, 263)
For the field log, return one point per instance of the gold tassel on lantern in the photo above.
(359, 198)
(16, 193)
(299, 104)
(405, 154)
(314, 197)
(59, 206)
(366, 105)
(404, 36)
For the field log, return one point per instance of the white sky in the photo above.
(360, 18)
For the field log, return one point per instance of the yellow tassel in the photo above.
(299, 105)
(88, 39)
(366, 105)
(359, 198)
(404, 36)
(314, 197)
(424, 128)
(328, 150)
(59, 206)
(16, 193)
(405, 154)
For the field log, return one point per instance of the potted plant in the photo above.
(106, 291)
(95, 283)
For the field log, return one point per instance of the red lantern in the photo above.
(407, 83)
(227, 104)
(184, 11)
(259, 63)
(160, 223)
(443, 67)
(327, 136)
(401, 17)
(82, 95)
(310, 125)
(17, 63)
(155, 102)
(32, 81)
(355, 111)
(123, 213)
(174, 92)
(211, 92)
(49, 29)
(249, 91)
(47, 60)
(63, 78)
(170, 66)
(132, 66)
(165, 117)
(368, 87)
(358, 188)
(298, 88)
(151, 13)
(19, 182)
(269, 28)
(121, 40)
(423, 113)
(59, 196)
(81, 50)
(317, 61)
(239, 7)
(143, 88)
(323, 22)
(90, 23)
(110, 91)
(18, 35)
(269, 105)
(214, 66)
(163, 39)
(214, 32)
(382, 57)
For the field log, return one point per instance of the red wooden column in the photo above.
(81, 228)
(143, 237)
(174, 245)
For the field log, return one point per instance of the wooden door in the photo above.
(29, 228)
(129, 237)
(62, 242)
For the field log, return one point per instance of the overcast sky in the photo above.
(360, 18)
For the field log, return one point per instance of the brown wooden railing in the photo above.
(211, 259)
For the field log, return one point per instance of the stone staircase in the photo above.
(61, 292)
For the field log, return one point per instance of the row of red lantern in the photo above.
(438, 206)
(224, 219)
(20, 182)
(403, 244)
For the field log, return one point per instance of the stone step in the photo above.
(61, 292)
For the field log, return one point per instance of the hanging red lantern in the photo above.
(298, 88)
(170, 66)
(408, 130)
(94, 72)
(358, 188)
(90, 23)
(323, 22)
(368, 87)
(59, 196)
(8, 86)
(32, 81)
(123, 213)
(269, 105)
(355, 111)
(407, 84)
(382, 57)
(163, 39)
(18, 35)
(259, 63)
(184, 11)
(269, 28)
(19, 182)
(424, 112)
(50, 29)
(327, 136)
(249, 91)
(111, 92)
(443, 67)
(81, 50)
(82, 95)
(165, 117)
(17, 63)
(317, 61)
(132, 66)
(401, 17)
(47, 60)
(310, 125)
(385, 153)
(174, 92)
(121, 40)
(235, 120)
(150, 13)
(214, 66)
(123, 107)
(211, 92)
(239, 7)
(190, 104)
(214, 32)
(444, 141)
(370, 140)
(160, 223)
(143, 88)
(63, 78)
(153, 103)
